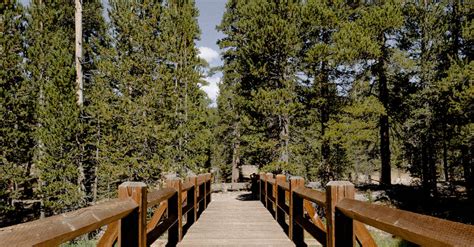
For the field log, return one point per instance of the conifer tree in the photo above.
(366, 42)
(320, 20)
(126, 94)
(50, 54)
(185, 103)
(17, 111)
(94, 38)
(230, 122)
(268, 64)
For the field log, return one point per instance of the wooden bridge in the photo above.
(279, 212)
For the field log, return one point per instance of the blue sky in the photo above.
(210, 15)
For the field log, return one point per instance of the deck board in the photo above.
(229, 221)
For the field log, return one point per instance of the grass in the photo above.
(80, 243)
(387, 240)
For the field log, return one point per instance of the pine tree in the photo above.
(94, 38)
(366, 42)
(125, 96)
(50, 37)
(268, 64)
(17, 111)
(320, 20)
(186, 105)
(230, 124)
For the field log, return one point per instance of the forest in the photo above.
(323, 89)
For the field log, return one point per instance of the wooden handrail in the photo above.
(419, 229)
(350, 215)
(125, 217)
(158, 196)
(187, 186)
(284, 185)
(311, 195)
(57, 229)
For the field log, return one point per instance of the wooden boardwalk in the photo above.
(231, 220)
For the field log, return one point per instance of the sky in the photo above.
(210, 15)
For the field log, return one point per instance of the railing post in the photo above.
(191, 200)
(335, 192)
(176, 232)
(280, 199)
(173, 231)
(132, 228)
(196, 196)
(202, 195)
(261, 185)
(296, 232)
(208, 189)
(269, 191)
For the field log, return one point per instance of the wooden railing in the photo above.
(125, 216)
(345, 217)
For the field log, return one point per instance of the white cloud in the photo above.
(212, 89)
(208, 54)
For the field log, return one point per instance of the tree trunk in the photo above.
(79, 82)
(236, 154)
(445, 156)
(324, 111)
(78, 31)
(467, 161)
(384, 122)
(424, 169)
(432, 167)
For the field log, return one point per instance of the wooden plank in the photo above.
(343, 230)
(110, 236)
(201, 179)
(314, 217)
(176, 184)
(363, 236)
(161, 228)
(229, 221)
(317, 233)
(420, 229)
(312, 195)
(335, 192)
(187, 185)
(58, 229)
(132, 228)
(285, 185)
(296, 208)
(156, 197)
(157, 215)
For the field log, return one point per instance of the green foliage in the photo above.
(50, 57)
(320, 89)
(16, 109)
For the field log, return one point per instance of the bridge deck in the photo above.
(231, 220)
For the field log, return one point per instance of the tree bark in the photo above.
(384, 121)
(324, 115)
(78, 58)
(79, 82)
(236, 153)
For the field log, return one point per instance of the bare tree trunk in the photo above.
(78, 27)
(386, 177)
(236, 154)
(79, 81)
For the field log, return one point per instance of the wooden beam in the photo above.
(335, 192)
(58, 229)
(420, 229)
(132, 228)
